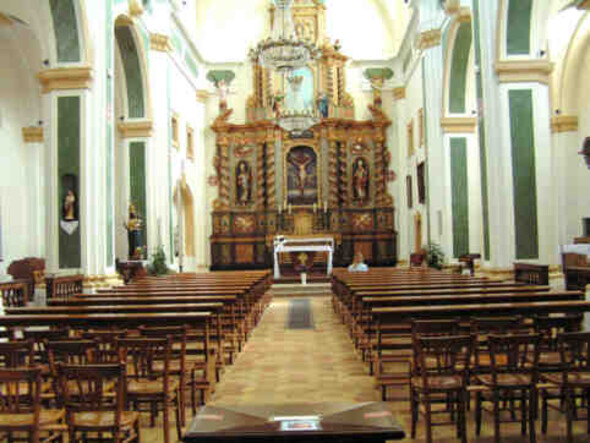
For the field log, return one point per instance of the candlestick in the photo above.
(289, 207)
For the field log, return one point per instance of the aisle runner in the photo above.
(300, 314)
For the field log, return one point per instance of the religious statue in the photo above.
(243, 183)
(323, 105)
(277, 104)
(222, 89)
(69, 206)
(360, 180)
(134, 228)
(300, 162)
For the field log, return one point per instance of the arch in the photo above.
(184, 201)
(67, 31)
(134, 63)
(458, 66)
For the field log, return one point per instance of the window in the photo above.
(410, 131)
(421, 183)
(175, 136)
(190, 144)
(409, 191)
(420, 127)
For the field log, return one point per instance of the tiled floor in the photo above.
(297, 366)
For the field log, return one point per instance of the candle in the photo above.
(315, 208)
(289, 206)
(325, 205)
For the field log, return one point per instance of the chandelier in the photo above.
(297, 117)
(283, 51)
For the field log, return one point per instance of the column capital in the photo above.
(519, 71)
(564, 123)
(75, 77)
(132, 129)
(135, 7)
(160, 42)
(33, 134)
(429, 39)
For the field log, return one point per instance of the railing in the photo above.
(14, 293)
(63, 287)
(531, 274)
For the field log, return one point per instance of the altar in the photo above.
(284, 244)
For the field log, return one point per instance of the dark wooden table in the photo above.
(335, 422)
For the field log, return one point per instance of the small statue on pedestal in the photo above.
(134, 228)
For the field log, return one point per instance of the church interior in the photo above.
(327, 220)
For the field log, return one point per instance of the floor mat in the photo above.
(300, 314)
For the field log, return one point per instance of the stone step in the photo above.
(298, 290)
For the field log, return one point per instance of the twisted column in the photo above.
(224, 175)
(260, 200)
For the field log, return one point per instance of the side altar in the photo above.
(327, 180)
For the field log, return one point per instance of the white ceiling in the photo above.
(367, 29)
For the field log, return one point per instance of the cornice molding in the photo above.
(429, 39)
(33, 134)
(564, 123)
(399, 93)
(59, 79)
(133, 129)
(456, 125)
(519, 71)
(160, 42)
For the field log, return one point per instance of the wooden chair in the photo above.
(148, 378)
(100, 409)
(440, 376)
(513, 378)
(20, 408)
(550, 328)
(481, 328)
(106, 343)
(17, 354)
(573, 380)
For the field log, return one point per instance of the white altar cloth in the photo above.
(282, 244)
(582, 249)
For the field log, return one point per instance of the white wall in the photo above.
(20, 171)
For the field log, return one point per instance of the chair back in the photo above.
(514, 354)
(443, 356)
(146, 358)
(71, 352)
(551, 327)
(17, 354)
(40, 339)
(21, 395)
(574, 348)
(90, 388)
(106, 343)
(178, 338)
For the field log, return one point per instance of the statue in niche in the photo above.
(69, 206)
(323, 105)
(360, 180)
(134, 228)
(243, 183)
(302, 176)
(222, 89)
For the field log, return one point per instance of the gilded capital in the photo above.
(4, 20)
(460, 125)
(564, 123)
(518, 71)
(33, 134)
(132, 129)
(75, 77)
(202, 95)
(135, 7)
(160, 42)
(429, 39)
(399, 93)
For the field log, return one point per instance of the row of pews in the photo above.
(218, 311)
(379, 306)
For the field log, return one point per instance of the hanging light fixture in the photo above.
(283, 51)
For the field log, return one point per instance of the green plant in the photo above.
(435, 255)
(158, 265)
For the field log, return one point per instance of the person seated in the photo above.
(358, 264)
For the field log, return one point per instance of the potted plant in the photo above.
(158, 265)
(435, 255)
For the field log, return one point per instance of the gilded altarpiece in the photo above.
(327, 181)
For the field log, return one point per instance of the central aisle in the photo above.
(280, 365)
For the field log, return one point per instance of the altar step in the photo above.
(299, 290)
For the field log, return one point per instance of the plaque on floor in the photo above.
(295, 423)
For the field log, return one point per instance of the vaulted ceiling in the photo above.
(367, 29)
